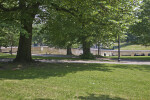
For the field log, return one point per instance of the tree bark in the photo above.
(24, 48)
(69, 52)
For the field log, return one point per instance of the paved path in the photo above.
(88, 61)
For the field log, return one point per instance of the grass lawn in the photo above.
(43, 81)
(138, 58)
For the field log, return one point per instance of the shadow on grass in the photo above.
(43, 99)
(45, 70)
(57, 58)
(100, 97)
(91, 97)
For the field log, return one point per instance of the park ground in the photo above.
(69, 81)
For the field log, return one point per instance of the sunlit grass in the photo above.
(42, 81)
(5, 55)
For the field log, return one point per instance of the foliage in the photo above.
(38, 36)
(9, 36)
(61, 30)
(140, 32)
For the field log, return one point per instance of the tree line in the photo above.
(63, 23)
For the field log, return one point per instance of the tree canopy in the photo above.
(87, 19)
(140, 31)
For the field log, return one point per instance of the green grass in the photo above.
(138, 58)
(4, 55)
(42, 81)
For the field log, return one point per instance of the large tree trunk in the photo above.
(86, 48)
(27, 17)
(69, 52)
(86, 51)
(24, 48)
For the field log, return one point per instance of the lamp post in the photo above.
(98, 48)
(118, 47)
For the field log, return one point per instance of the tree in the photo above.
(8, 37)
(90, 18)
(25, 12)
(61, 30)
(110, 16)
(87, 12)
(140, 31)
